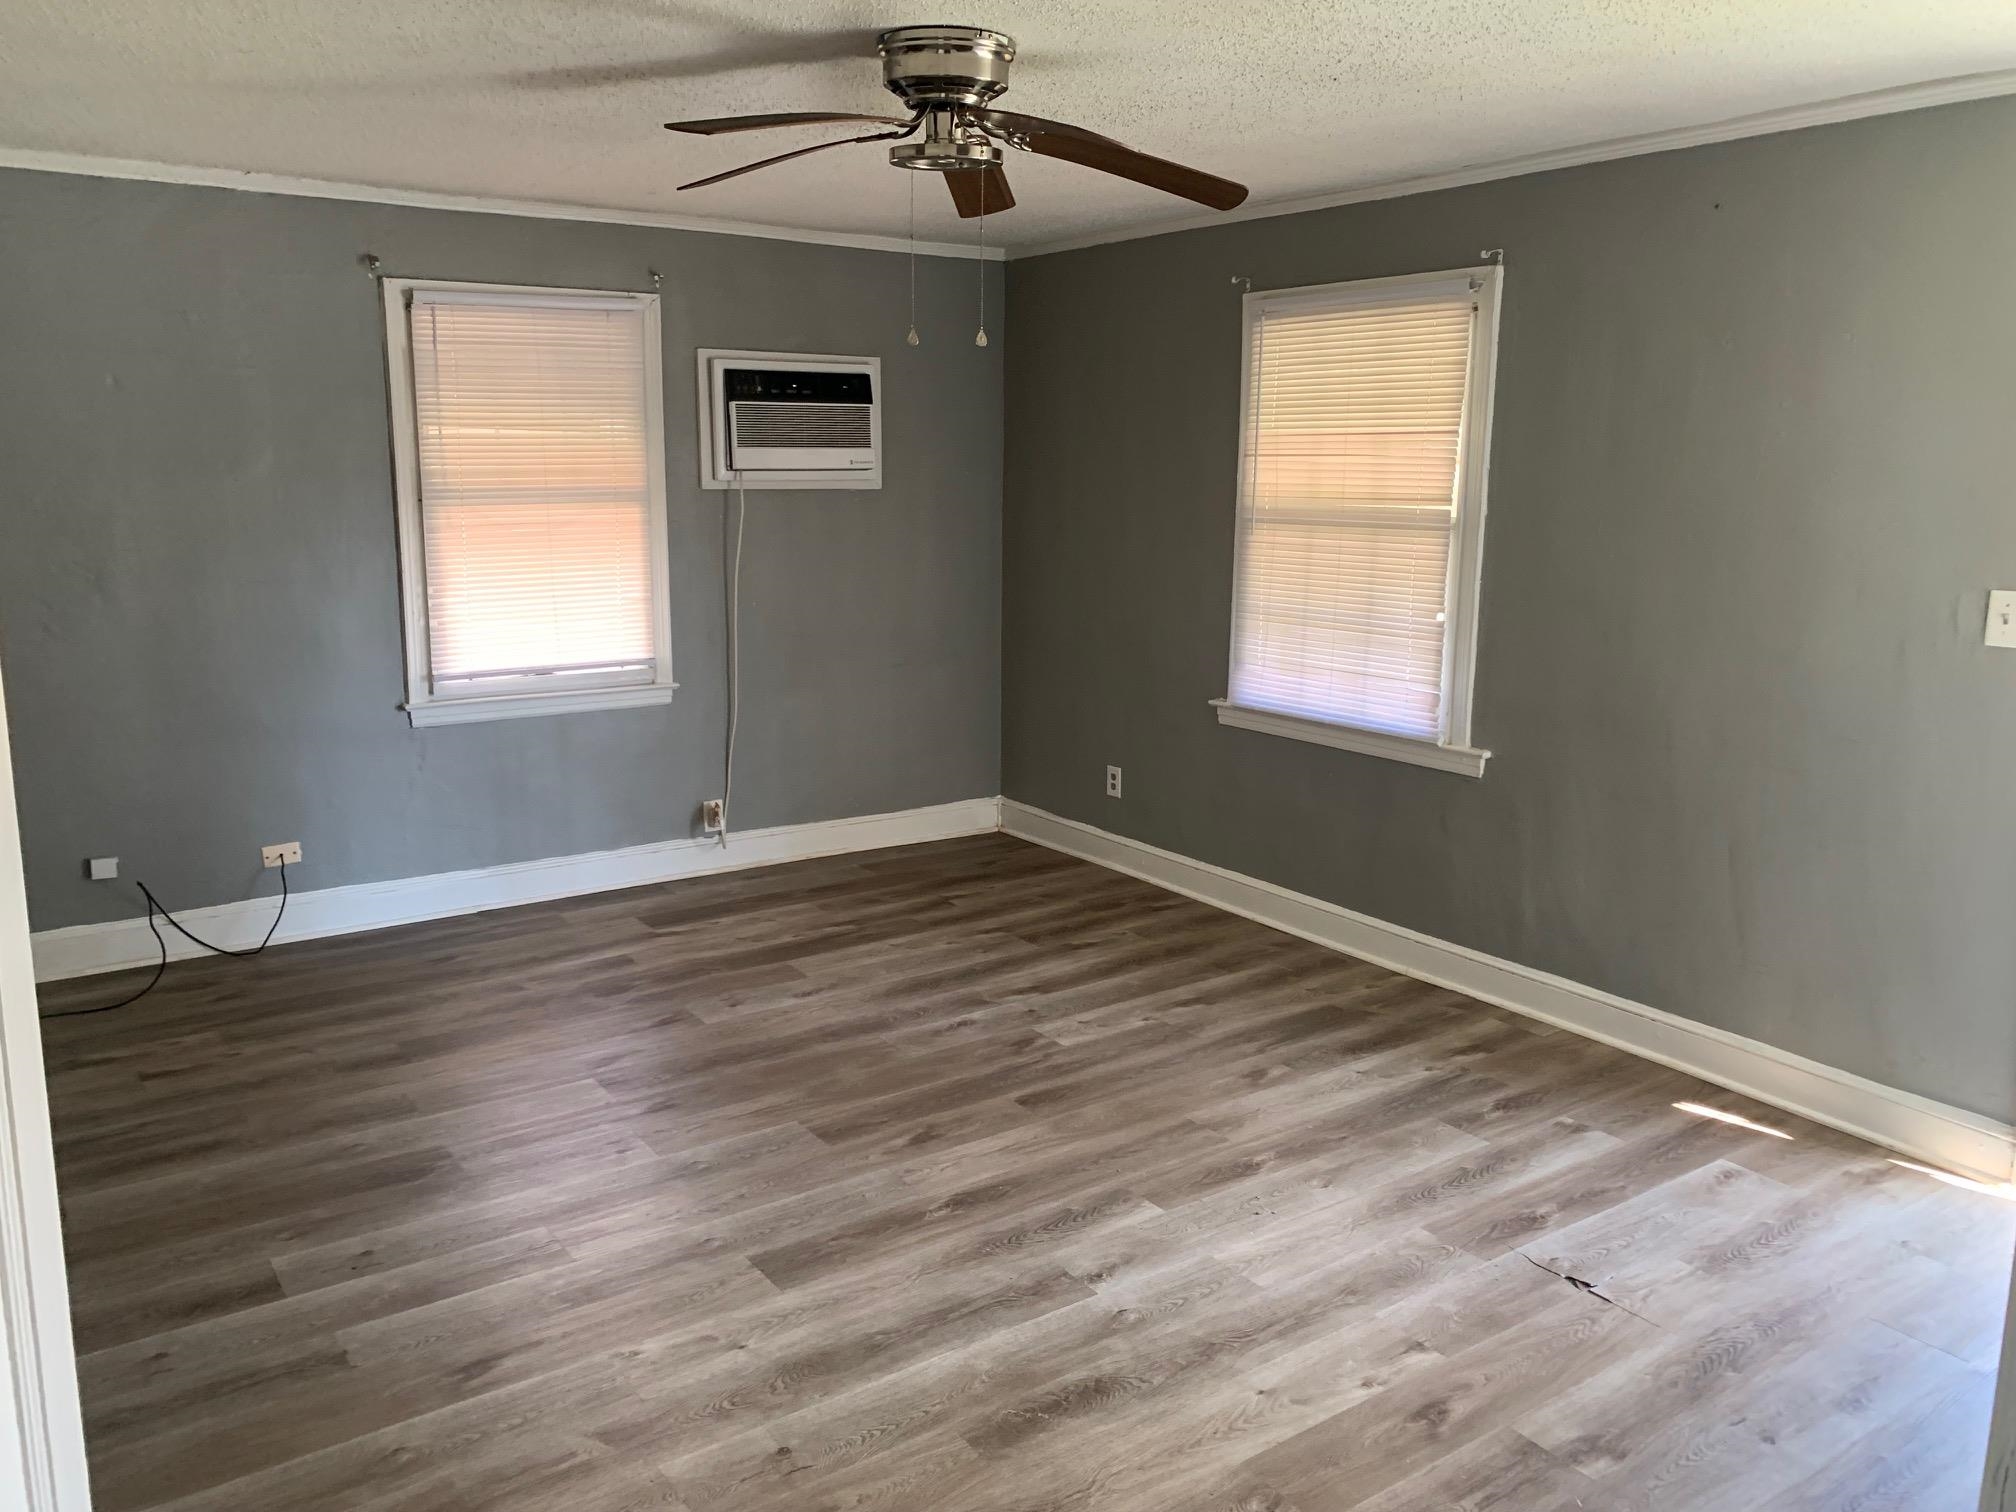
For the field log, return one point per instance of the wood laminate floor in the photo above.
(969, 1178)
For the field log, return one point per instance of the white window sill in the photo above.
(1463, 760)
(447, 711)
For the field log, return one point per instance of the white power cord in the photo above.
(734, 652)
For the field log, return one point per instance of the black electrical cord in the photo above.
(154, 909)
(160, 968)
(176, 924)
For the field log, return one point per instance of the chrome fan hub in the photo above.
(929, 66)
(947, 143)
(943, 157)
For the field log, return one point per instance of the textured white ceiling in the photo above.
(562, 100)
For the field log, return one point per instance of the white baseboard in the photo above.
(85, 949)
(1948, 1137)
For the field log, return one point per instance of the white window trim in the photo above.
(1465, 760)
(1453, 752)
(423, 706)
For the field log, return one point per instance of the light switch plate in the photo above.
(102, 868)
(2001, 618)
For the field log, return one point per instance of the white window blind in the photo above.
(531, 436)
(1351, 504)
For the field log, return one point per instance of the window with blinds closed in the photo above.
(535, 464)
(1354, 494)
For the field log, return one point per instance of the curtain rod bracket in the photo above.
(1493, 255)
(657, 279)
(1243, 281)
(371, 264)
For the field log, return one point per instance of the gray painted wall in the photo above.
(198, 594)
(1754, 471)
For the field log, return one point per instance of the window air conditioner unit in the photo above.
(787, 420)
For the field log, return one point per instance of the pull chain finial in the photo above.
(911, 336)
(980, 336)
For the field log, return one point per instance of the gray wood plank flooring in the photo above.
(969, 1178)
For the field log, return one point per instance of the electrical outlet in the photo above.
(711, 816)
(287, 853)
(102, 868)
(1112, 782)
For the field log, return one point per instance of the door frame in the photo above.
(1998, 1484)
(41, 1426)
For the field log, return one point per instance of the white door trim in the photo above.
(1998, 1485)
(42, 1437)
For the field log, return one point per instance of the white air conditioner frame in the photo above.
(712, 362)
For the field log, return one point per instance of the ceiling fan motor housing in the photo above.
(945, 65)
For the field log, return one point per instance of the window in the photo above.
(528, 448)
(1367, 418)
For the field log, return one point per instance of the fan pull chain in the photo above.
(912, 336)
(980, 336)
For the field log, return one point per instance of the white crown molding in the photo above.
(1979, 86)
(312, 188)
(1953, 91)
(86, 949)
(1949, 1137)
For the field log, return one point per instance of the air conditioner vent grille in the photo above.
(756, 423)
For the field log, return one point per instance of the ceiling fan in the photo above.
(949, 76)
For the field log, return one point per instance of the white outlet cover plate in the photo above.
(2001, 618)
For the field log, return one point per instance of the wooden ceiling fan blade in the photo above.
(979, 191)
(785, 157)
(1074, 144)
(719, 124)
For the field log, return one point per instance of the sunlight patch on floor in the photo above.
(1702, 1110)
(2006, 1190)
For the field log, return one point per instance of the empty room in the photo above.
(1112, 759)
